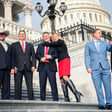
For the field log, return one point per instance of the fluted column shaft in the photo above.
(8, 10)
(27, 14)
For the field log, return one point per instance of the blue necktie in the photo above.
(98, 45)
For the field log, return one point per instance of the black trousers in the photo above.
(43, 80)
(18, 78)
(5, 83)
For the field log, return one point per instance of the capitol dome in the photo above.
(88, 11)
(95, 2)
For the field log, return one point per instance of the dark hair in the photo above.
(22, 31)
(45, 33)
(94, 31)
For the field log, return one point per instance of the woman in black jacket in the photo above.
(64, 67)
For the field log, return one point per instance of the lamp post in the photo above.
(51, 12)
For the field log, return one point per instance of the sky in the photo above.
(36, 19)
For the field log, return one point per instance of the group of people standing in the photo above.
(20, 59)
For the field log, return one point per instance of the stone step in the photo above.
(53, 110)
(46, 106)
(36, 94)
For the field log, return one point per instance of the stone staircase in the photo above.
(46, 106)
(36, 94)
(36, 105)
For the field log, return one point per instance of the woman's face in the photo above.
(55, 37)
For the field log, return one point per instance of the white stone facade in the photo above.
(9, 10)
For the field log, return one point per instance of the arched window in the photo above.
(65, 18)
(90, 16)
(71, 17)
(100, 18)
(96, 17)
(84, 16)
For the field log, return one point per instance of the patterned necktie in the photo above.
(3, 44)
(23, 46)
(46, 52)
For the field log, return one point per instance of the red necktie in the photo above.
(23, 46)
(46, 52)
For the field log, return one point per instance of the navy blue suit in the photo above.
(5, 67)
(23, 62)
(99, 64)
(47, 70)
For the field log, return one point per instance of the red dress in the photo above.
(64, 67)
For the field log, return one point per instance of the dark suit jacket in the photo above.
(5, 57)
(19, 57)
(51, 62)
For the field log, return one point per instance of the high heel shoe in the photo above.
(74, 90)
(78, 96)
(65, 92)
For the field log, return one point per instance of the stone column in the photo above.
(8, 9)
(85, 35)
(27, 14)
(70, 39)
(77, 37)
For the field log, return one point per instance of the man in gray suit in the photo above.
(97, 64)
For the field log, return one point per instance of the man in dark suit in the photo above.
(24, 62)
(5, 65)
(47, 68)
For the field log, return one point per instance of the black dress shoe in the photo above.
(109, 107)
(102, 107)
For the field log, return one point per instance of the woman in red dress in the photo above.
(64, 67)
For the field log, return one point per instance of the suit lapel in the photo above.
(3, 48)
(19, 46)
(7, 47)
(49, 50)
(101, 47)
(93, 45)
(26, 46)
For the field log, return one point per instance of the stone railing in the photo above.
(14, 28)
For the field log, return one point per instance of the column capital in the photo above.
(27, 10)
(8, 3)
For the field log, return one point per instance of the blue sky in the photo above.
(36, 19)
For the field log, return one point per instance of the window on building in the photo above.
(100, 18)
(71, 17)
(96, 17)
(84, 16)
(65, 18)
(90, 16)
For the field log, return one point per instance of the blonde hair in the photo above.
(53, 37)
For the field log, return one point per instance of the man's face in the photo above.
(97, 35)
(46, 37)
(22, 36)
(2, 37)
